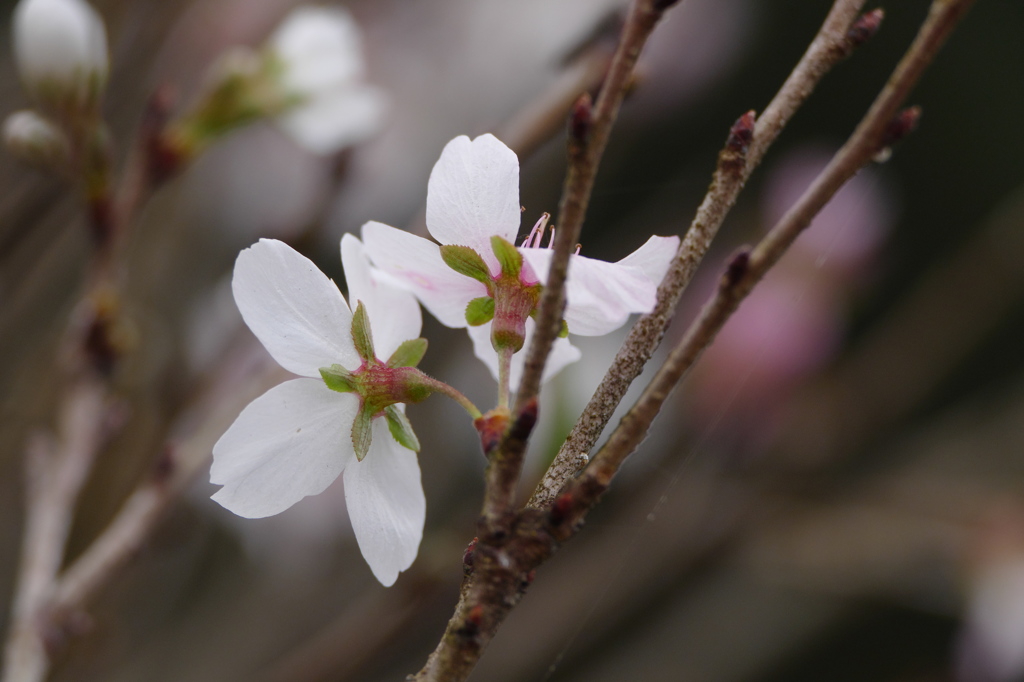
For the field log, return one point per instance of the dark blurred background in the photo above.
(836, 493)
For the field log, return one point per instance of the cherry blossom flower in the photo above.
(321, 61)
(473, 278)
(298, 437)
(60, 47)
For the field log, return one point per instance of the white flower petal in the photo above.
(319, 48)
(416, 264)
(599, 295)
(562, 353)
(473, 194)
(295, 311)
(291, 442)
(653, 258)
(386, 504)
(334, 119)
(60, 41)
(394, 313)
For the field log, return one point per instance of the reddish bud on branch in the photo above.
(902, 124)
(581, 119)
(865, 28)
(737, 268)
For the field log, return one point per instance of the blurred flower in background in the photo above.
(794, 322)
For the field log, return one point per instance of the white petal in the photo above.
(319, 48)
(295, 311)
(416, 264)
(291, 442)
(562, 353)
(62, 41)
(394, 313)
(336, 119)
(653, 258)
(386, 504)
(599, 295)
(473, 194)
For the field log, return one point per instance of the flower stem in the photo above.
(504, 374)
(445, 389)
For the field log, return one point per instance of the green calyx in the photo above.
(381, 386)
(466, 261)
(480, 311)
(508, 256)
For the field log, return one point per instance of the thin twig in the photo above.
(55, 473)
(497, 578)
(745, 269)
(836, 40)
(589, 130)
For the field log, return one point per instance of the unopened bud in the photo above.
(35, 141)
(61, 50)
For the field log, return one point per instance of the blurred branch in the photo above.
(56, 470)
(875, 131)
(838, 36)
(544, 117)
(955, 305)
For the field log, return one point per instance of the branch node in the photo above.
(581, 121)
(864, 29)
(736, 269)
(733, 158)
(901, 125)
(468, 556)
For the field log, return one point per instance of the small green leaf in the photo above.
(400, 428)
(362, 433)
(564, 331)
(361, 335)
(509, 257)
(408, 354)
(480, 311)
(338, 379)
(466, 261)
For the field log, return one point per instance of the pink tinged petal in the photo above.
(653, 258)
(295, 311)
(386, 505)
(599, 295)
(394, 313)
(291, 442)
(416, 264)
(339, 118)
(562, 354)
(473, 194)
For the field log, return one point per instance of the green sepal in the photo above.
(509, 257)
(480, 311)
(408, 354)
(400, 428)
(362, 433)
(466, 261)
(338, 379)
(361, 335)
(564, 331)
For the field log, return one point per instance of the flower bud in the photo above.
(34, 140)
(61, 50)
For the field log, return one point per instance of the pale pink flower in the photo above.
(297, 438)
(472, 197)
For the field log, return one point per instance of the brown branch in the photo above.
(589, 129)
(490, 591)
(839, 35)
(500, 566)
(747, 268)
